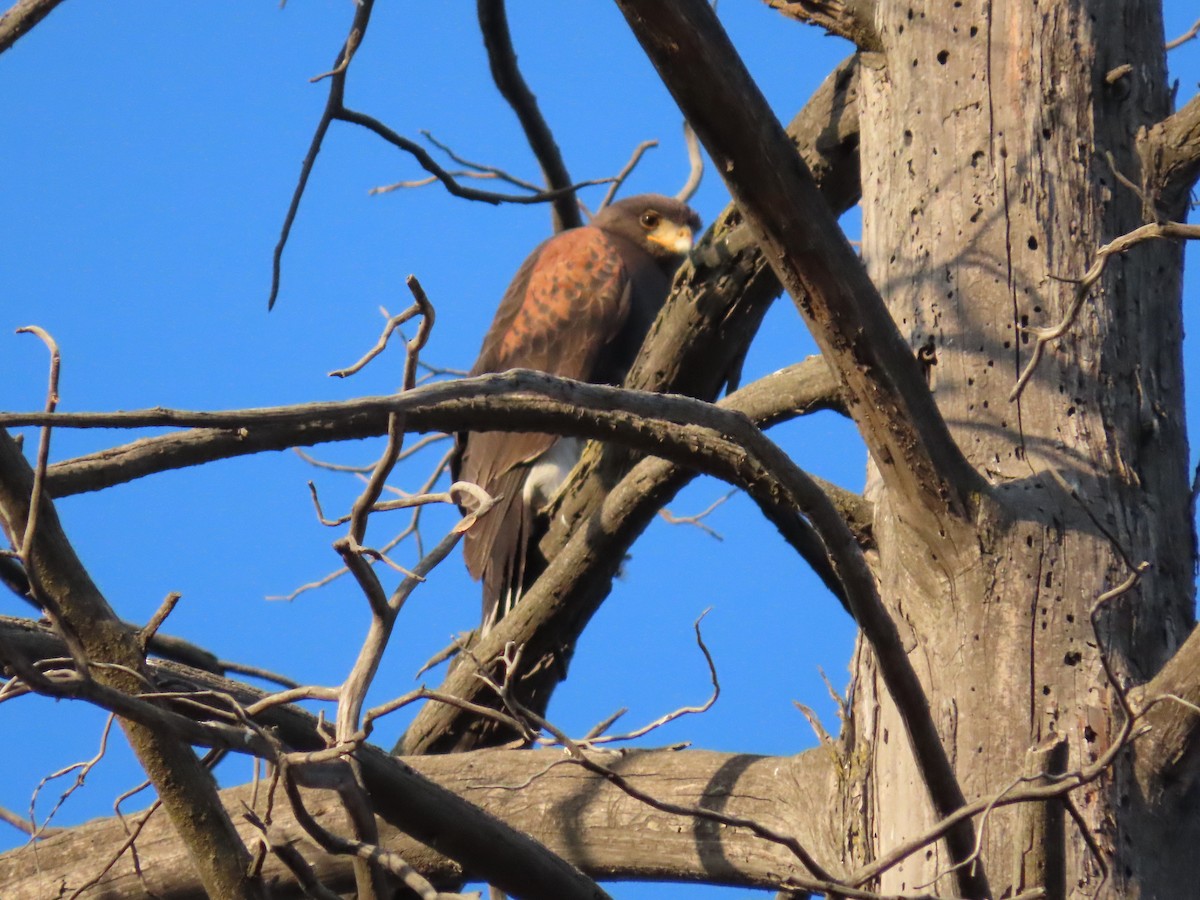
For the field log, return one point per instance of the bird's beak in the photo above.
(676, 238)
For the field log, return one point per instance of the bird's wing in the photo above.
(565, 305)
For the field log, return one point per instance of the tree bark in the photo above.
(995, 142)
(114, 659)
(575, 813)
(984, 134)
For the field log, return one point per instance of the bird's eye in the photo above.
(650, 220)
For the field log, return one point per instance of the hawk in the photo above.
(580, 307)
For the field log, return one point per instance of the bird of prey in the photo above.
(580, 307)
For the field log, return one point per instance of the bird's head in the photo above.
(663, 226)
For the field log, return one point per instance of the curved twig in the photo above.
(1046, 336)
(1189, 35)
(619, 179)
(43, 453)
(695, 162)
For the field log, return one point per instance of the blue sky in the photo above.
(151, 150)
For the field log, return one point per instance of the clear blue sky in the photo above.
(150, 152)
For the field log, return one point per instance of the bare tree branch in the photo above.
(1171, 700)
(20, 19)
(696, 520)
(515, 400)
(481, 169)
(493, 24)
(888, 398)
(1189, 35)
(407, 800)
(1045, 336)
(852, 19)
(573, 812)
(59, 579)
(429, 164)
(279, 428)
(335, 109)
(81, 769)
(1170, 153)
(695, 165)
(619, 179)
(337, 91)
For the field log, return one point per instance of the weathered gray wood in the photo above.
(985, 129)
(573, 812)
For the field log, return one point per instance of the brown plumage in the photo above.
(579, 306)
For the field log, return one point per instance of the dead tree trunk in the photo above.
(995, 140)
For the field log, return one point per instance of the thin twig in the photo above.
(682, 711)
(81, 770)
(43, 453)
(421, 307)
(408, 451)
(42, 597)
(156, 621)
(352, 41)
(1045, 336)
(418, 341)
(412, 528)
(428, 180)
(697, 519)
(481, 169)
(619, 179)
(390, 505)
(695, 163)
(430, 165)
(502, 59)
(1188, 35)
(333, 103)
(370, 494)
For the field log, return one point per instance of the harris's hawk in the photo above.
(580, 307)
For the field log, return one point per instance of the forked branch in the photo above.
(852, 19)
(336, 110)
(888, 398)
(116, 662)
